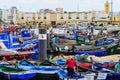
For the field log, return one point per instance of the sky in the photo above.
(68, 5)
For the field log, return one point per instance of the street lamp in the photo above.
(34, 23)
(93, 18)
(119, 18)
(111, 11)
(27, 23)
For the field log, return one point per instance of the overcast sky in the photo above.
(68, 5)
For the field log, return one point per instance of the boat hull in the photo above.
(20, 56)
(22, 75)
(45, 73)
(63, 76)
(112, 49)
(96, 53)
(11, 73)
(47, 76)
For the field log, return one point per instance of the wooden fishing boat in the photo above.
(107, 47)
(112, 48)
(29, 47)
(92, 52)
(63, 76)
(75, 49)
(84, 65)
(15, 42)
(117, 66)
(110, 45)
(14, 73)
(100, 72)
(45, 71)
(5, 63)
(26, 65)
(11, 54)
(108, 64)
(48, 71)
(60, 62)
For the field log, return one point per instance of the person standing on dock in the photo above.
(96, 42)
(71, 64)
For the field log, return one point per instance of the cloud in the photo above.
(2, 1)
(48, 3)
(27, 1)
(87, 5)
(32, 5)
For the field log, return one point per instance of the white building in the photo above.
(3, 14)
(59, 10)
(101, 16)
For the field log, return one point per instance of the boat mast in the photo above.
(119, 18)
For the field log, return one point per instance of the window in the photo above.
(42, 31)
(38, 17)
(44, 17)
(114, 19)
(61, 17)
(69, 17)
(85, 17)
(77, 17)
(22, 17)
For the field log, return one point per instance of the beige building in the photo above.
(98, 17)
(68, 17)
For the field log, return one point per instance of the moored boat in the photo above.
(14, 73)
(26, 65)
(63, 76)
(60, 62)
(48, 71)
(96, 52)
(11, 54)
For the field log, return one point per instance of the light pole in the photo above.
(34, 23)
(27, 23)
(119, 18)
(111, 11)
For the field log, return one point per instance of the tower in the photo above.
(13, 13)
(107, 7)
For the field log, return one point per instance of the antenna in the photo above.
(106, 1)
(78, 8)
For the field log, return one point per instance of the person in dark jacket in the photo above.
(96, 42)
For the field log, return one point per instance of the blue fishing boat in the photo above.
(17, 42)
(15, 73)
(19, 75)
(63, 76)
(117, 66)
(92, 52)
(26, 65)
(60, 62)
(48, 71)
(5, 63)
